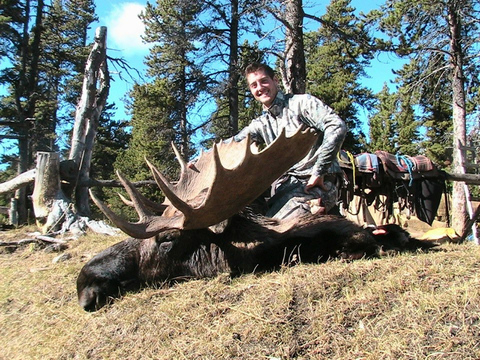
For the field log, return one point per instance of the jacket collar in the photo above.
(277, 106)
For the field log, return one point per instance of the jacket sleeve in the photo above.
(321, 117)
(255, 131)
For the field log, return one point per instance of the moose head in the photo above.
(219, 184)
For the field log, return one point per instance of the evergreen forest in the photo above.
(193, 91)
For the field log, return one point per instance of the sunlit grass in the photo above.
(421, 306)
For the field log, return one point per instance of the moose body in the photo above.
(248, 243)
(200, 231)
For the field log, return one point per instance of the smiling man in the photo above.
(312, 184)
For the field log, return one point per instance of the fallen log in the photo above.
(36, 239)
(18, 182)
(29, 178)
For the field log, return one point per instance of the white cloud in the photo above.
(125, 28)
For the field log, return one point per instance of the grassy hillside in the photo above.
(422, 306)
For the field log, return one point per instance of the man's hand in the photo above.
(315, 180)
(316, 206)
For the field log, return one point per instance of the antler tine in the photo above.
(168, 190)
(135, 196)
(125, 200)
(180, 159)
(125, 226)
(145, 228)
(158, 208)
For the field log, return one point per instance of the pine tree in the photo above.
(229, 21)
(152, 133)
(382, 125)
(406, 121)
(337, 55)
(248, 108)
(35, 44)
(435, 102)
(22, 28)
(62, 61)
(407, 126)
(111, 144)
(421, 29)
(173, 29)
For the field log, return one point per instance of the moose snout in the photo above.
(91, 300)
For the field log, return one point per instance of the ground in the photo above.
(413, 306)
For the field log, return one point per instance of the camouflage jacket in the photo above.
(290, 112)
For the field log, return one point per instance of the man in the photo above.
(310, 185)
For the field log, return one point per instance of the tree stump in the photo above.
(51, 206)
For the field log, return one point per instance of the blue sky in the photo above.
(125, 29)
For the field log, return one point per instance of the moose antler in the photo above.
(222, 181)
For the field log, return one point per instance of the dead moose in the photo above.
(204, 228)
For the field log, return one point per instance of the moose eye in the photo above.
(167, 246)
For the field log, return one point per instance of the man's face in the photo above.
(263, 87)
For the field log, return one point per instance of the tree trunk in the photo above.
(26, 88)
(53, 210)
(295, 69)
(21, 193)
(184, 144)
(459, 198)
(88, 113)
(233, 74)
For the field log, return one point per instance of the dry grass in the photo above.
(424, 306)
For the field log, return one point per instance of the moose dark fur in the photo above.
(248, 243)
(178, 241)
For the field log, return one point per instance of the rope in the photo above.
(409, 164)
(352, 161)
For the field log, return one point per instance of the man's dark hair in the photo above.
(254, 67)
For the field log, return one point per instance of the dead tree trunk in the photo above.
(87, 116)
(54, 210)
